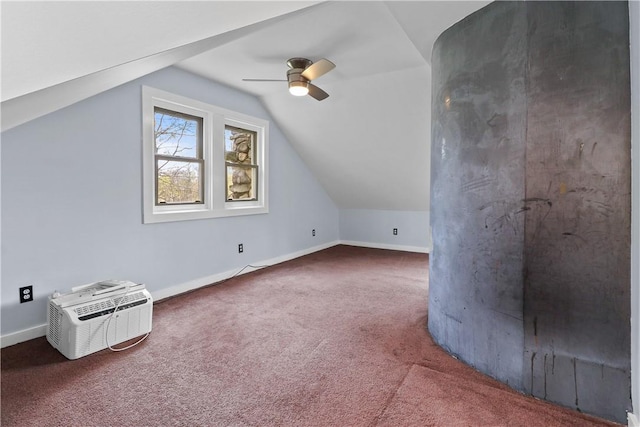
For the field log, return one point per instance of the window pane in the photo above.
(241, 183)
(177, 134)
(239, 145)
(178, 182)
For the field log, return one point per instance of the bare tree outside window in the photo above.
(179, 159)
(201, 161)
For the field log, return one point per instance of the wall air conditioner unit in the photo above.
(93, 317)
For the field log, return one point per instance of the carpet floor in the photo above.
(335, 338)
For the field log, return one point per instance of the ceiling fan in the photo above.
(301, 72)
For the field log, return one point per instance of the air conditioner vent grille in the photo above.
(109, 304)
(55, 318)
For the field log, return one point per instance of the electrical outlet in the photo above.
(313, 232)
(395, 231)
(26, 294)
(240, 248)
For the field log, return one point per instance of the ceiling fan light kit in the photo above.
(301, 72)
(298, 85)
(298, 88)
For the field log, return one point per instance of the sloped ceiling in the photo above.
(45, 43)
(42, 50)
(368, 143)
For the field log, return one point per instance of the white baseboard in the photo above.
(22, 336)
(420, 249)
(633, 420)
(41, 330)
(214, 278)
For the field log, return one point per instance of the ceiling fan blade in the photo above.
(317, 93)
(263, 80)
(318, 68)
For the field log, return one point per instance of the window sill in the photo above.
(174, 215)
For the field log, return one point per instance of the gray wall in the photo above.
(530, 203)
(634, 24)
(577, 248)
(477, 188)
(72, 203)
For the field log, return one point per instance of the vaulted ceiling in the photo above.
(368, 143)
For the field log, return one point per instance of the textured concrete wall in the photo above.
(477, 187)
(529, 277)
(577, 238)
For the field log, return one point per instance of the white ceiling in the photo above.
(49, 42)
(368, 143)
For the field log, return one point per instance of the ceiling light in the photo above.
(298, 88)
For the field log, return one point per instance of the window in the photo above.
(200, 161)
(242, 169)
(178, 157)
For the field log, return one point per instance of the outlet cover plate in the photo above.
(26, 294)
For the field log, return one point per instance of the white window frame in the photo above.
(214, 120)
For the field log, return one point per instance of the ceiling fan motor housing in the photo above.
(295, 75)
(303, 63)
(296, 67)
(298, 84)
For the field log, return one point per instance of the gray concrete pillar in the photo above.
(530, 209)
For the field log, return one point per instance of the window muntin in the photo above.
(178, 157)
(203, 157)
(241, 164)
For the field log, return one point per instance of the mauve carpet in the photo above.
(335, 338)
